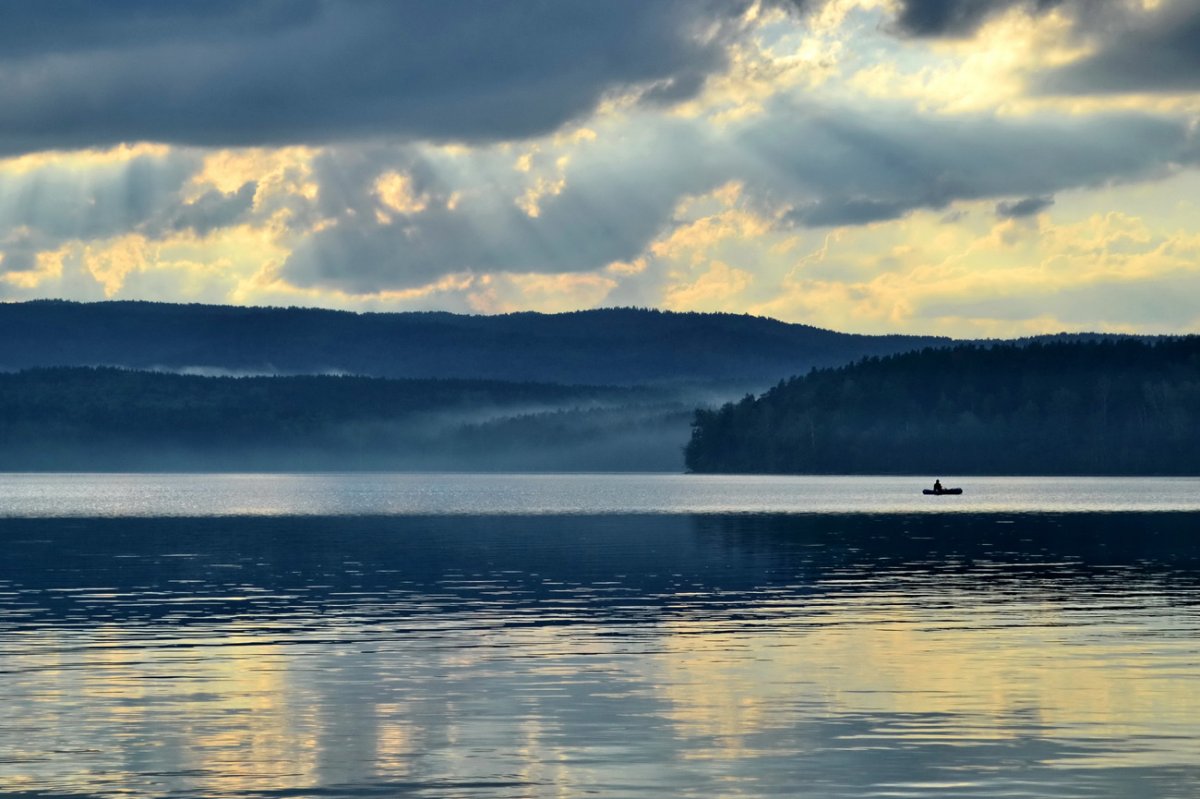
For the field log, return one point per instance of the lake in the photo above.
(390, 635)
(357, 494)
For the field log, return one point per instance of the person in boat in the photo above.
(937, 485)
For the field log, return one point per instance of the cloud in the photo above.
(718, 289)
(958, 18)
(1155, 51)
(616, 194)
(497, 156)
(851, 211)
(1107, 271)
(211, 210)
(92, 197)
(802, 165)
(1158, 303)
(19, 250)
(1017, 209)
(265, 72)
(1130, 47)
(844, 166)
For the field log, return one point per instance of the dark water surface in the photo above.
(682, 655)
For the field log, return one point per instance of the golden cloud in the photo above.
(396, 192)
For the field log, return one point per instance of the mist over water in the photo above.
(574, 652)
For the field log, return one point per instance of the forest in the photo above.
(1056, 407)
(154, 386)
(613, 346)
(105, 419)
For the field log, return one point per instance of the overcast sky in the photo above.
(961, 167)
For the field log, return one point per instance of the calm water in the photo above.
(526, 494)
(615, 636)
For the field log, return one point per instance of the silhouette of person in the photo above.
(937, 485)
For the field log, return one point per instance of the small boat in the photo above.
(938, 491)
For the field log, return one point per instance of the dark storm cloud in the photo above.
(1017, 209)
(78, 74)
(944, 18)
(1133, 49)
(955, 18)
(67, 27)
(852, 211)
(1157, 51)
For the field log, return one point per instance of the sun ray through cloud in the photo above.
(885, 130)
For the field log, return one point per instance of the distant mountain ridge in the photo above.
(616, 346)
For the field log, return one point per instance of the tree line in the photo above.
(612, 346)
(1115, 406)
(104, 418)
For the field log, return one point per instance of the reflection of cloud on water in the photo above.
(125, 708)
(546, 656)
(939, 666)
(955, 620)
(237, 705)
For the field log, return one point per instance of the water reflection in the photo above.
(855, 655)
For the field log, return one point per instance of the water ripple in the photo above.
(634, 656)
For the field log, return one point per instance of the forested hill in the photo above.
(1101, 407)
(85, 419)
(612, 346)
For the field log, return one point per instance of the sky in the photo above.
(958, 167)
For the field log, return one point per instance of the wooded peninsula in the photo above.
(1123, 406)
